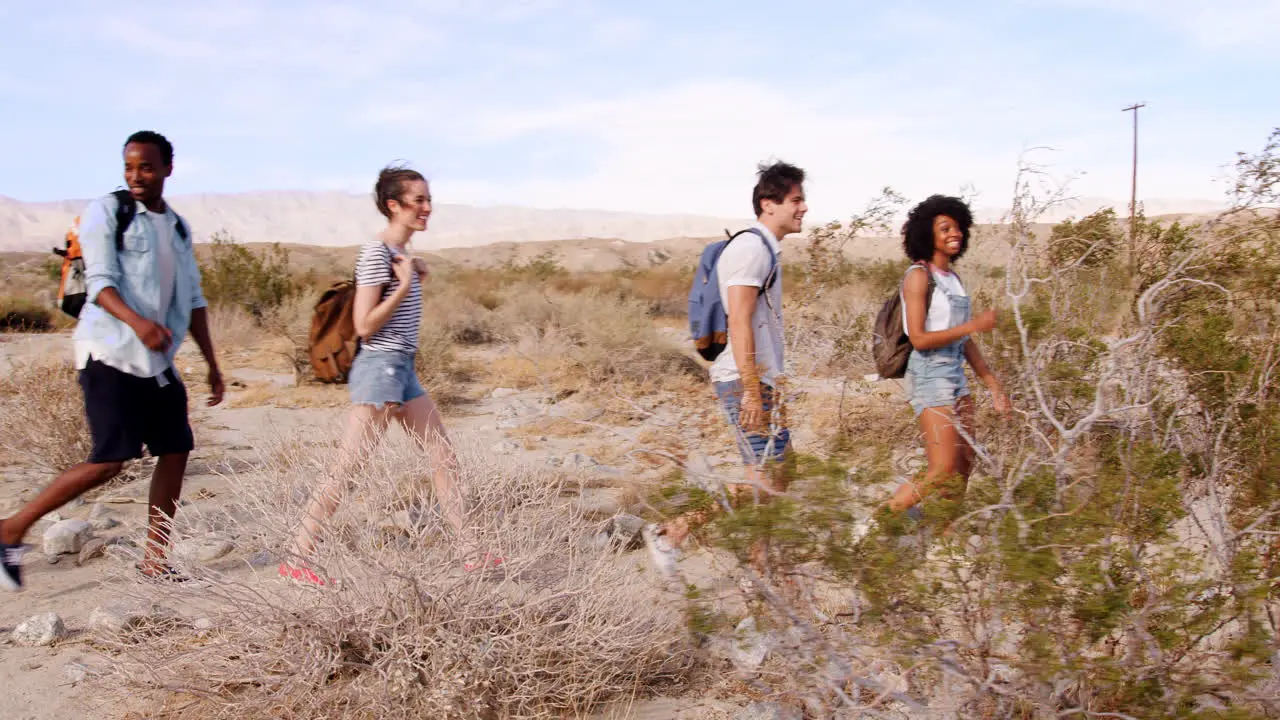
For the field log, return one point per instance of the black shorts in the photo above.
(126, 412)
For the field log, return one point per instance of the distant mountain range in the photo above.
(342, 219)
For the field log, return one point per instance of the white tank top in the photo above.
(939, 317)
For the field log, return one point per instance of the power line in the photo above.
(1133, 192)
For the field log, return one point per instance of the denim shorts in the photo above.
(380, 377)
(936, 377)
(756, 448)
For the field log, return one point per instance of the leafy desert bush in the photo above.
(42, 421)
(258, 282)
(562, 626)
(1093, 241)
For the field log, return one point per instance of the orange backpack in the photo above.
(72, 288)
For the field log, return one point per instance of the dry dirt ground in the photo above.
(576, 433)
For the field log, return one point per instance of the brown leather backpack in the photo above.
(333, 343)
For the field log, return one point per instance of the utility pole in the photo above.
(1133, 193)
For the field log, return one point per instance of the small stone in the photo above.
(624, 530)
(28, 667)
(554, 461)
(601, 502)
(580, 461)
(122, 552)
(770, 711)
(43, 629)
(749, 647)
(129, 615)
(100, 518)
(203, 550)
(78, 672)
(262, 558)
(502, 392)
(94, 548)
(66, 537)
(506, 447)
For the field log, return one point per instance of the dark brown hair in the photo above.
(390, 185)
(774, 183)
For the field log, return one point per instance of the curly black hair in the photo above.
(917, 231)
(155, 139)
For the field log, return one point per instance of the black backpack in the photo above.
(127, 210)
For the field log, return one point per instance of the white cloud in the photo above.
(1222, 24)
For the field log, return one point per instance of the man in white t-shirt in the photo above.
(748, 375)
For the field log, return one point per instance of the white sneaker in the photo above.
(661, 553)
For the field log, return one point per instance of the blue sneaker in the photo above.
(11, 572)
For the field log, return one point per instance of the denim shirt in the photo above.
(135, 275)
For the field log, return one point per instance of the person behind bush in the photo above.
(141, 301)
(748, 375)
(935, 236)
(383, 383)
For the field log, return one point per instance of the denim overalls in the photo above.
(936, 377)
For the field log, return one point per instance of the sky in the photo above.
(657, 106)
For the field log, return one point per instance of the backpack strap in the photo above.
(928, 293)
(773, 259)
(126, 210)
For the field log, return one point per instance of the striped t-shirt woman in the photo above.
(400, 332)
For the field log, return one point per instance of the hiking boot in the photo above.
(11, 574)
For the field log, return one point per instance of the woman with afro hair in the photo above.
(935, 236)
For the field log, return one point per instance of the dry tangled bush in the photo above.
(592, 336)
(562, 626)
(42, 420)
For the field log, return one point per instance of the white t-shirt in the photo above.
(939, 317)
(166, 256)
(745, 261)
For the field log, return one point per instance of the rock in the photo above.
(506, 447)
(100, 518)
(579, 460)
(94, 548)
(749, 646)
(658, 256)
(43, 629)
(28, 667)
(203, 627)
(203, 549)
(78, 672)
(263, 558)
(770, 711)
(555, 461)
(130, 615)
(601, 502)
(624, 531)
(502, 392)
(66, 537)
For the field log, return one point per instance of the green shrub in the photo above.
(259, 282)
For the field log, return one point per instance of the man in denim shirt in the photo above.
(142, 300)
